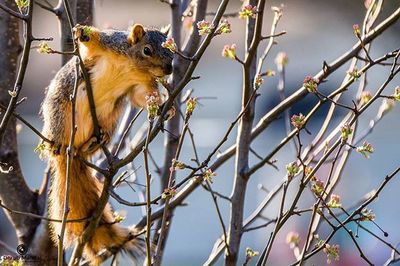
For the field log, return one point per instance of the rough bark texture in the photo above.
(14, 192)
(85, 13)
(82, 13)
(180, 66)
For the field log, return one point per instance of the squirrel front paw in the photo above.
(170, 113)
(93, 144)
(82, 33)
(56, 149)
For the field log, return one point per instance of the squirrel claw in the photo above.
(93, 144)
(104, 137)
(56, 149)
(170, 113)
(89, 146)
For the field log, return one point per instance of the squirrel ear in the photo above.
(136, 34)
(165, 30)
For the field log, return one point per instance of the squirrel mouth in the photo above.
(160, 76)
(162, 71)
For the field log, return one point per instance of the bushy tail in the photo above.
(84, 194)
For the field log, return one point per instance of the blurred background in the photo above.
(316, 31)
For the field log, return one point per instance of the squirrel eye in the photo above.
(147, 51)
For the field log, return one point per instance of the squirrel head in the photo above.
(146, 49)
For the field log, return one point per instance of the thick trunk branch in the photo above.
(243, 145)
(14, 192)
(173, 125)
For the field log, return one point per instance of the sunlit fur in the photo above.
(117, 72)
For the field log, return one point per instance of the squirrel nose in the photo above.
(168, 69)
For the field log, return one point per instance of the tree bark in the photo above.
(85, 12)
(82, 13)
(67, 43)
(173, 125)
(14, 192)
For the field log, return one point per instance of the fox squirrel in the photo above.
(122, 65)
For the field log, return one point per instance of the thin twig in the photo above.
(273, 35)
(29, 125)
(34, 215)
(148, 195)
(289, 213)
(126, 132)
(14, 13)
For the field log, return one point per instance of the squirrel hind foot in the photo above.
(109, 241)
(135, 249)
(134, 245)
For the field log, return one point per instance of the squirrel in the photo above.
(122, 65)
